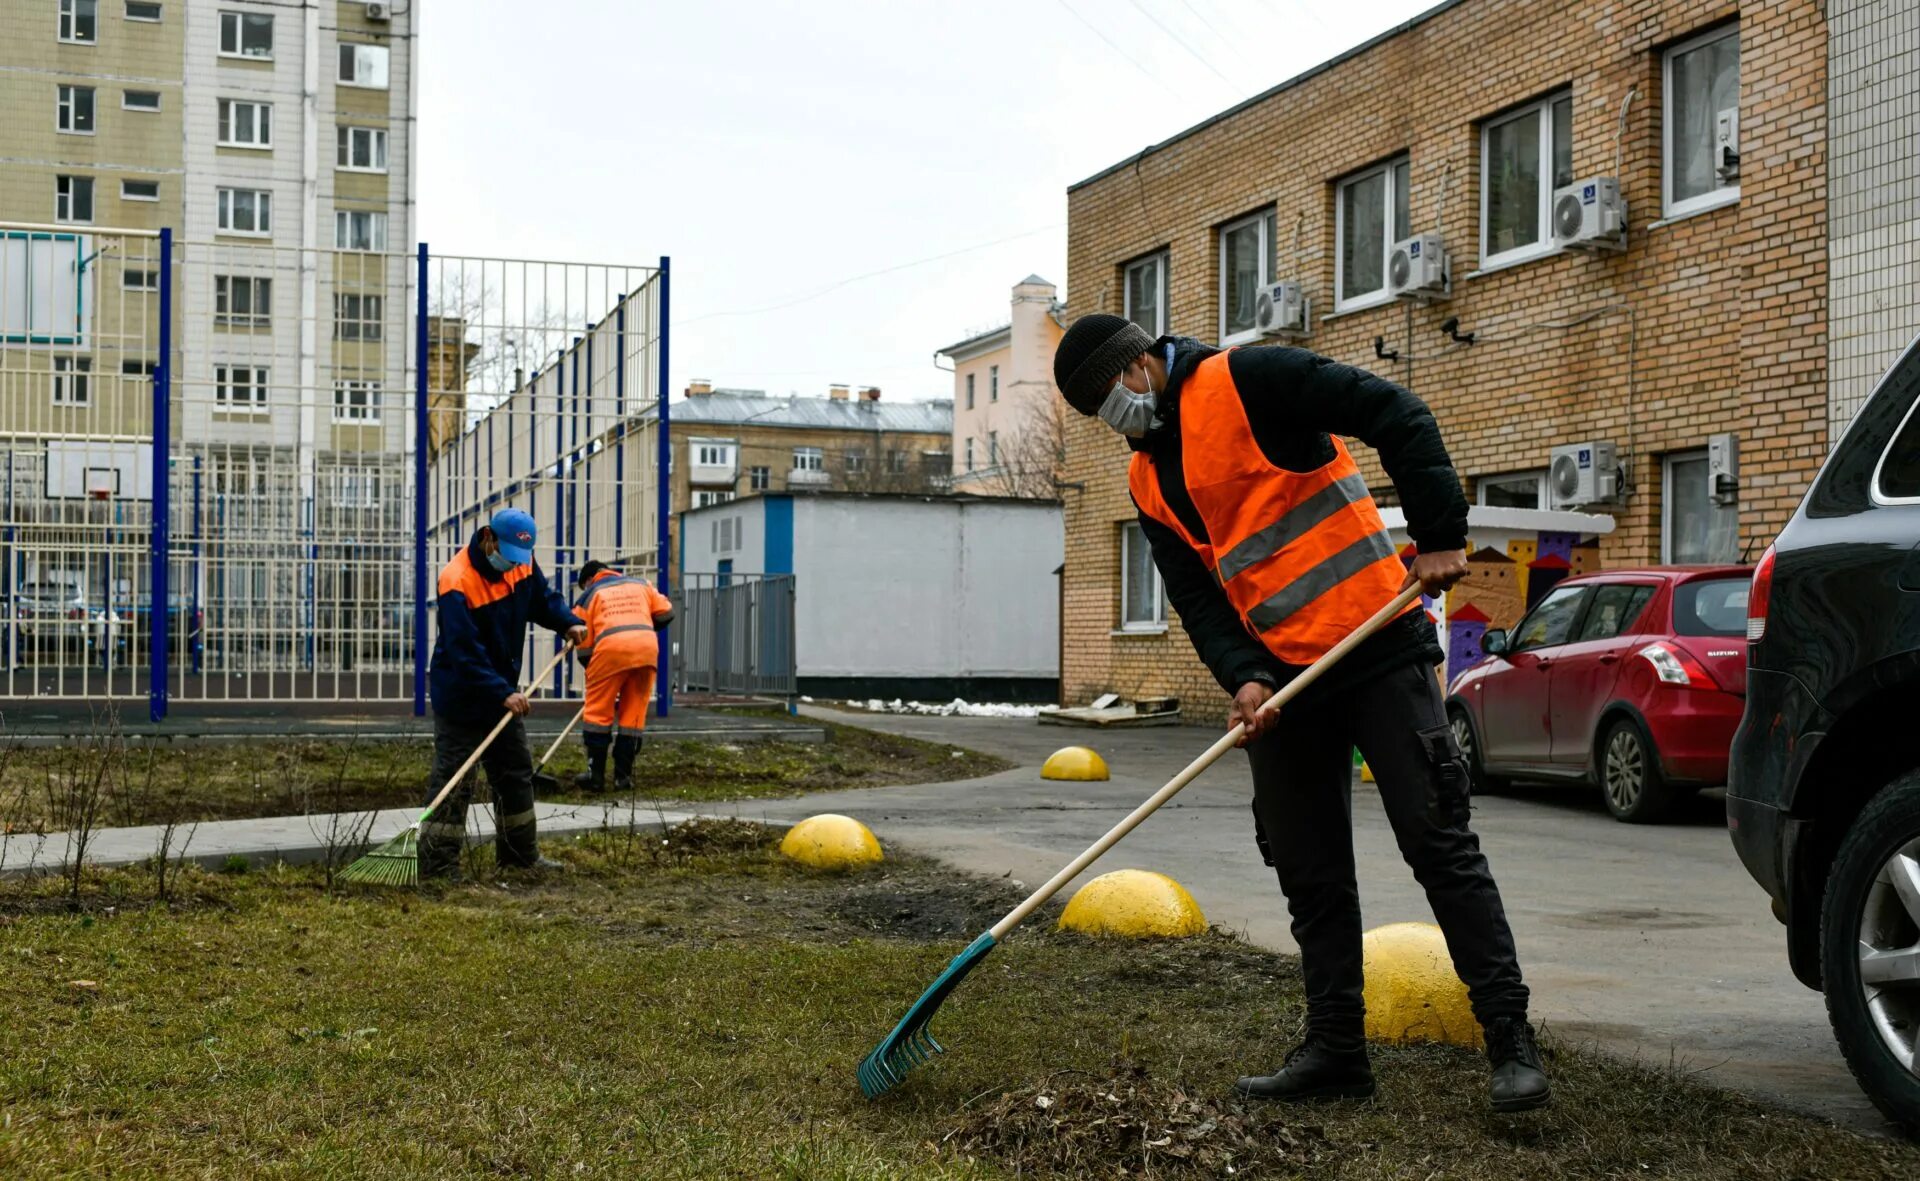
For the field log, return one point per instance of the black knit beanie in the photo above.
(1093, 353)
(587, 572)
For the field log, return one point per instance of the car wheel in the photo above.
(1629, 773)
(1870, 949)
(1469, 743)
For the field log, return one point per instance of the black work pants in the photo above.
(509, 767)
(1303, 806)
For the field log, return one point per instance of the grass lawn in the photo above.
(191, 781)
(696, 1009)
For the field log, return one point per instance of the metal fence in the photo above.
(737, 635)
(230, 471)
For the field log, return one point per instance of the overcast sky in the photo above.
(775, 150)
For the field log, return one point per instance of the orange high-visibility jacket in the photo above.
(617, 605)
(1303, 556)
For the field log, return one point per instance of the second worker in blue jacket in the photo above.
(488, 594)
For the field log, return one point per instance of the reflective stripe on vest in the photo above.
(1303, 556)
(625, 627)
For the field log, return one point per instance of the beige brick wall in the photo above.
(1728, 308)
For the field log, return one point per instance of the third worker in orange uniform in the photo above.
(622, 655)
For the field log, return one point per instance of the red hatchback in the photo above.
(1633, 680)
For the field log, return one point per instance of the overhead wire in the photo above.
(1113, 45)
(1195, 54)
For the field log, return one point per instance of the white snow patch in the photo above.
(957, 708)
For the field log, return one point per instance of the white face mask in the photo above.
(1127, 412)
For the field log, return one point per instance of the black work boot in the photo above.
(1314, 1070)
(1519, 1080)
(625, 748)
(594, 778)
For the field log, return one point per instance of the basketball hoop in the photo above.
(100, 483)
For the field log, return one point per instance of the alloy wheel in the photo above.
(1463, 735)
(1625, 770)
(1890, 954)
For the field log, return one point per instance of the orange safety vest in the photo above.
(1303, 556)
(618, 604)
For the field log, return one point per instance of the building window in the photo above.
(1371, 214)
(356, 401)
(1694, 528)
(357, 317)
(73, 198)
(1701, 81)
(139, 10)
(1524, 156)
(713, 454)
(138, 369)
(359, 230)
(139, 100)
(246, 34)
(245, 124)
(993, 449)
(139, 190)
(856, 458)
(361, 149)
(73, 110)
(1143, 604)
(759, 478)
(809, 459)
(897, 462)
(79, 21)
(1518, 490)
(71, 384)
(140, 280)
(245, 211)
(1246, 265)
(970, 391)
(969, 453)
(703, 498)
(242, 301)
(363, 65)
(240, 389)
(993, 383)
(1146, 294)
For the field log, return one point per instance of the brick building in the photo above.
(1711, 322)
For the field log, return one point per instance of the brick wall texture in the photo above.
(1709, 323)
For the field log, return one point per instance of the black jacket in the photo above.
(1294, 401)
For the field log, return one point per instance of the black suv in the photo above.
(1823, 795)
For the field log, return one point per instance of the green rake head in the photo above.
(910, 1044)
(396, 863)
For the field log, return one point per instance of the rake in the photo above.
(543, 783)
(397, 863)
(910, 1044)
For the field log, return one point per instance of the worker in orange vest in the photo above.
(622, 655)
(1272, 550)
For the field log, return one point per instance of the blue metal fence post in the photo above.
(420, 432)
(620, 427)
(663, 464)
(158, 605)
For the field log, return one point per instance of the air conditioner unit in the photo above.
(1723, 469)
(1726, 144)
(1583, 474)
(379, 12)
(1417, 268)
(1590, 215)
(1281, 307)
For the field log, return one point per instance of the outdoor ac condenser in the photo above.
(1281, 307)
(1590, 215)
(1417, 268)
(1583, 474)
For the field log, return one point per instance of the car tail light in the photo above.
(1757, 598)
(1674, 665)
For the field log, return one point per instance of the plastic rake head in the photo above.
(396, 863)
(910, 1045)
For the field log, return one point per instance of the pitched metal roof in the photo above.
(739, 407)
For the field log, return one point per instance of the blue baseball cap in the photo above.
(514, 530)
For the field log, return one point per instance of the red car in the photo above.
(1633, 680)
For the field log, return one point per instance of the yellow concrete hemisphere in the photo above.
(1074, 762)
(1412, 993)
(1134, 904)
(831, 841)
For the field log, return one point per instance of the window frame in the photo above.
(1713, 198)
(1686, 455)
(126, 196)
(993, 383)
(1583, 589)
(1483, 484)
(809, 459)
(370, 329)
(1158, 623)
(377, 143)
(127, 103)
(66, 109)
(970, 378)
(1546, 245)
(143, 4)
(239, 52)
(1875, 487)
(146, 273)
(225, 122)
(376, 230)
(224, 383)
(1158, 259)
(723, 451)
(72, 373)
(73, 181)
(68, 19)
(969, 467)
(345, 413)
(225, 204)
(1647, 591)
(1264, 220)
(252, 319)
(1378, 296)
(712, 496)
(759, 478)
(354, 47)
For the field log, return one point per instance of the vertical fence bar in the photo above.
(663, 463)
(620, 419)
(421, 420)
(158, 605)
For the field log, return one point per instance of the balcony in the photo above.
(709, 474)
(801, 477)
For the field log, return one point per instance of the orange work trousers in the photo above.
(620, 682)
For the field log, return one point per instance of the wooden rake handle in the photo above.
(566, 730)
(1225, 743)
(533, 688)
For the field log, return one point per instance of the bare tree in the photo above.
(1030, 456)
(341, 831)
(883, 462)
